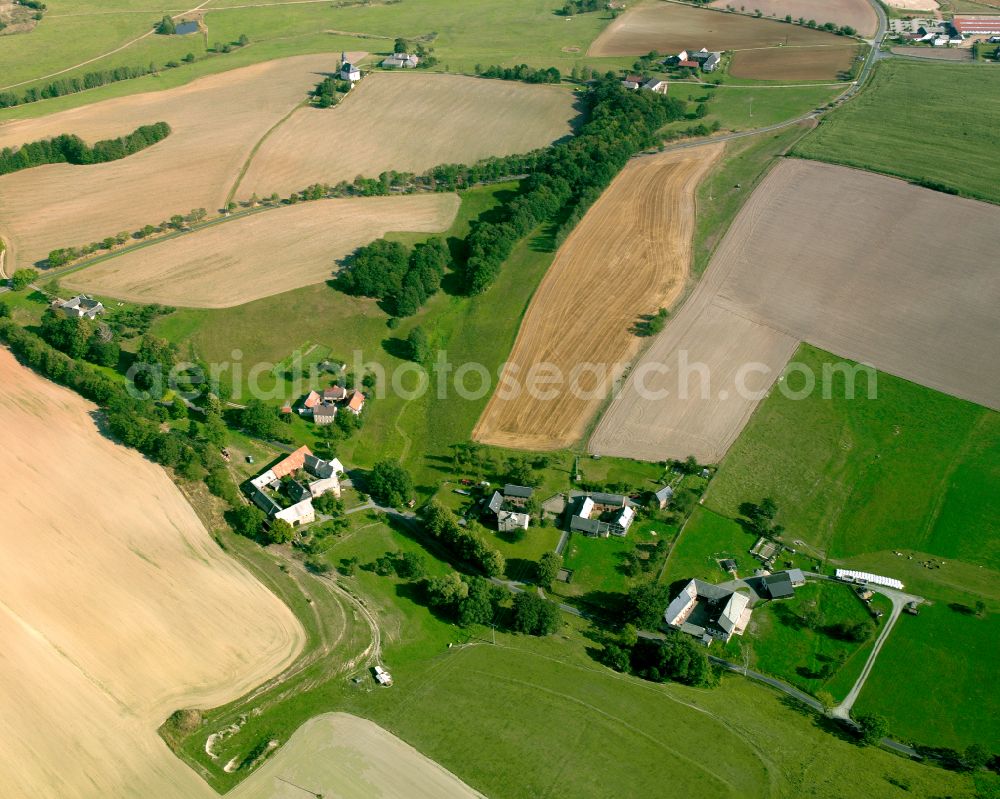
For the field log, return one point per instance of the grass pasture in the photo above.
(706, 539)
(931, 679)
(885, 129)
(857, 476)
(407, 122)
(266, 253)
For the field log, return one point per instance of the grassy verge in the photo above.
(885, 129)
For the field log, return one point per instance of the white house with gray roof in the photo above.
(708, 612)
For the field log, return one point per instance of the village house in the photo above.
(80, 307)
(323, 406)
(401, 61)
(298, 479)
(348, 71)
(507, 507)
(601, 515)
(708, 612)
(655, 85)
(663, 497)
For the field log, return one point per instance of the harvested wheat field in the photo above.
(859, 14)
(408, 122)
(215, 121)
(345, 757)
(262, 254)
(628, 257)
(116, 607)
(794, 63)
(914, 5)
(671, 27)
(857, 264)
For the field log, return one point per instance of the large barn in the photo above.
(972, 25)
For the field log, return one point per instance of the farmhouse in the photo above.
(601, 515)
(508, 507)
(779, 585)
(323, 406)
(663, 496)
(707, 60)
(968, 24)
(324, 414)
(708, 612)
(356, 403)
(287, 489)
(81, 307)
(655, 85)
(401, 61)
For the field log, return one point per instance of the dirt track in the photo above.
(116, 607)
(629, 256)
(862, 265)
(408, 122)
(267, 253)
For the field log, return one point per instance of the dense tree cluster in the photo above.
(571, 175)
(22, 278)
(328, 90)
(522, 72)
(581, 7)
(80, 338)
(677, 657)
(389, 483)
(534, 615)
(466, 599)
(389, 271)
(69, 148)
(645, 604)
(464, 544)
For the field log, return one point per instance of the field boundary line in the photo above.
(253, 151)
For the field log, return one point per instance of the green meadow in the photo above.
(919, 121)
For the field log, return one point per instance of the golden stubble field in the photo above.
(629, 256)
(845, 260)
(263, 254)
(408, 122)
(116, 607)
(215, 121)
(340, 756)
(859, 14)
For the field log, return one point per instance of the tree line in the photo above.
(68, 148)
(571, 175)
(572, 7)
(401, 277)
(521, 72)
(465, 545)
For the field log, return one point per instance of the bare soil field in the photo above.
(339, 756)
(936, 53)
(845, 260)
(794, 63)
(408, 122)
(629, 256)
(215, 121)
(116, 607)
(670, 27)
(263, 254)
(859, 14)
(914, 5)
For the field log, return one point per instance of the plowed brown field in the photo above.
(263, 254)
(116, 607)
(216, 121)
(671, 27)
(859, 14)
(845, 260)
(794, 63)
(408, 122)
(629, 256)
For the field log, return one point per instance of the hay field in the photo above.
(116, 607)
(216, 121)
(345, 757)
(859, 14)
(408, 122)
(262, 254)
(629, 256)
(794, 63)
(845, 260)
(670, 27)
